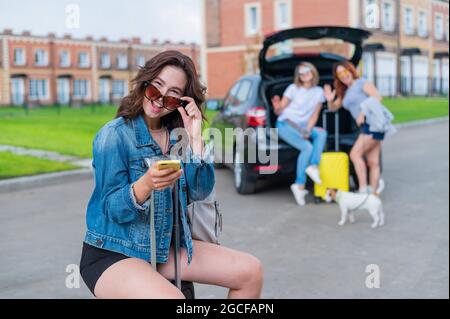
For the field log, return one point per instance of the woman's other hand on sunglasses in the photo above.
(192, 119)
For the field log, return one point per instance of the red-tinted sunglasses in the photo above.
(168, 102)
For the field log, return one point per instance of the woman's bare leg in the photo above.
(217, 265)
(134, 278)
(373, 161)
(363, 144)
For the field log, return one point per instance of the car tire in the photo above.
(243, 181)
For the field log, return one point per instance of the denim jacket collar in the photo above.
(143, 135)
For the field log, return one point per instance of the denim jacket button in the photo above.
(99, 242)
(183, 189)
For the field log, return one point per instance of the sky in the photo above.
(175, 20)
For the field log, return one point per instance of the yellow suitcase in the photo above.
(334, 166)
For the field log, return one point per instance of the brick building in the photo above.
(47, 69)
(410, 36)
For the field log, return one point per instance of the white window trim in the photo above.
(389, 28)
(61, 64)
(81, 65)
(47, 92)
(277, 14)
(138, 57)
(45, 54)
(422, 33)
(378, 18)
(102, 64)
(247, 7)
(122, 57)
(124, 88)
(446, 29)
(24, 56)
(405, 30)
(438, 14)
(88, 90)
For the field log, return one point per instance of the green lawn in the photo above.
(12, 165)
(413, 109)
(68, 131)
(71, 130)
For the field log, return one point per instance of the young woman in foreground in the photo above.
(116, 250)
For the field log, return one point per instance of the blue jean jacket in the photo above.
(115, 221)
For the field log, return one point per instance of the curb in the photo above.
(28, 182)
(437, 120)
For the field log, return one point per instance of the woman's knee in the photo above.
(373, 162)
(251, 270)
(306, 149)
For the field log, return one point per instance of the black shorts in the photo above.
(94, 261)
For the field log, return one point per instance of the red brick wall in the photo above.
(320, 12)
(225, 68)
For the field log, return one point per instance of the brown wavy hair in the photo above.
(340, 87)
(131, 106)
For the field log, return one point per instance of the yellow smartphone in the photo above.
(175, 164)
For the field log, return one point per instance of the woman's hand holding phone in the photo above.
(158, 178)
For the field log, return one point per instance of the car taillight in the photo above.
(256, 116)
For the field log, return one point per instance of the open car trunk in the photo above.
(277, 62)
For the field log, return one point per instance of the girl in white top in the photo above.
(298, 111)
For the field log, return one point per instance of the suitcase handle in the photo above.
(336, 126)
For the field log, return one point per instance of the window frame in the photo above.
(277, 17)
(420, 32)
(61, 64)
(406, 31)
(24, 56)
(247, 16)
(43, 55)
(384, 27)
(84, 65)
(40, 84)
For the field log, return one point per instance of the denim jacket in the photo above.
(115, 221)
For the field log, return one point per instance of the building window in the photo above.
(371, 14)
(19, 56)
(118, 88)
(388, 16)
(80, 89)
(283, 14)
(64, 59)
(140, 60)
(423, 28)
(38, 89)
(438, 27)
(408, 21)
(122, 61)
(252, 19)
(83, 60)
(41, 57)
(446, 30)
(105, 60)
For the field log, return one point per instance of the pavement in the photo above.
(304, 252)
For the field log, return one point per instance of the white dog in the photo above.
(349, 202)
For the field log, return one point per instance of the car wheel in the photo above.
(244, 183)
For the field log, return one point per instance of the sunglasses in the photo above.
(304, 70)
(170, 103)
(343, 73)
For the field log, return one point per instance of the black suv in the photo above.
(248, 102)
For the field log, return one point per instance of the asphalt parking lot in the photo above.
(304, 252)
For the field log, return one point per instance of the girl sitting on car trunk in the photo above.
(298, 112)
